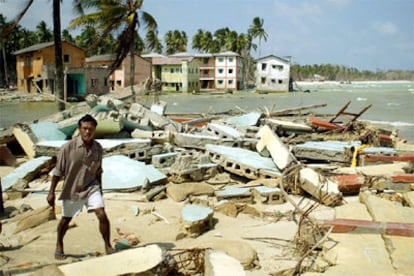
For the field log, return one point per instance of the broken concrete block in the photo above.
(159, 107)
(163, 160)
(267, 195)
(69, 125)
(235, 193)
(222, 131)
(26, 140)
(219, 263)
(241, 161)
(180, 192)
(27, 171)
(279, 152)
(319, 187)
(47, 131)
(196, 141)
(147, 260)
(338, 151)
(195, 220)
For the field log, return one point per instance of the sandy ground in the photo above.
(269, 238)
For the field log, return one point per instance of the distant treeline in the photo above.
(329, 72)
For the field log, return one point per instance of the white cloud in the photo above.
(388, 28)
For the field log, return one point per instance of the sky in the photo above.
(364, 34)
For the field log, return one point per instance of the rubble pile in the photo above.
(231, 164)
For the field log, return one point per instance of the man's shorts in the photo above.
(72, 208)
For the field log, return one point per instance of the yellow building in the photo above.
(177, 74)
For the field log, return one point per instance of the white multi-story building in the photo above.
(272, 74)
(228, 71)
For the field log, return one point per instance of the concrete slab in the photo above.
(323, 189)
(219, 263)
(375, 170)
(339, 151)
(26, 171)
(384, 210)
(242, 162)
(47, 131)
(121, 172)
(133, 261)
(249, 119)
(279, 152)
(222, 131)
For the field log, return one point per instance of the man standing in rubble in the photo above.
(80, 162)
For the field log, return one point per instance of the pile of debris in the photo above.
(220, 163)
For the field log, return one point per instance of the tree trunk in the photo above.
(132, 65)
(6, 75)
(59, 79)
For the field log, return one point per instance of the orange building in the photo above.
(35, 66)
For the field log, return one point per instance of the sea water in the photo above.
(392, 103)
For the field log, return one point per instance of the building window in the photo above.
(118, 82)
(230, 81)
(220, 71)
(263, 80)
(172, 70)
(66, 59)
(106, 82)
(177, 70)
(221, 60)
(230, 71)
(230, 59)
(220, 82)
(273, 81)
(280, 81)
(264, 66)
(94, 82)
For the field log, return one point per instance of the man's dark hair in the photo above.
(87, 118)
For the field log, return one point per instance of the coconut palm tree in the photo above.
(152, 42)
(115, 16)
(256, 30)
(4, 32)
(175, 41)
(44, 34)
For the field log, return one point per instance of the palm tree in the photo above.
(59, 85)
(112, 16)
(152, 42)
(175, 41)
(4, 32)
(43, 32)
(256, 30)
(6, 29)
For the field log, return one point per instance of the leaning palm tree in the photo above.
(256, 30)
(4, 33)
(115, 16)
